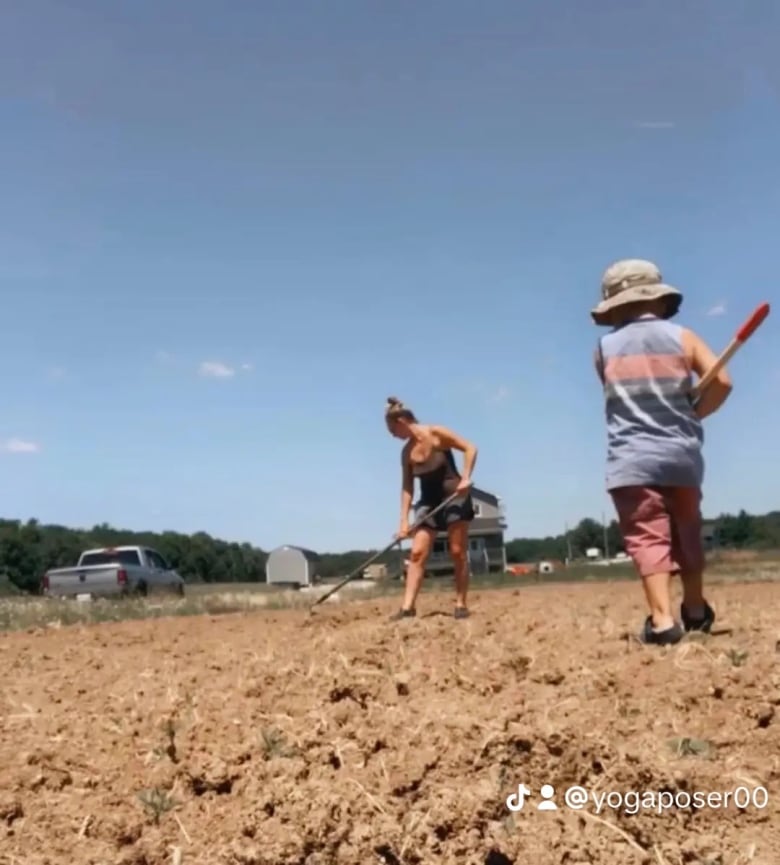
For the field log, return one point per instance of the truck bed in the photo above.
(95, 580)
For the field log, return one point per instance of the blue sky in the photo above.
(229, 231)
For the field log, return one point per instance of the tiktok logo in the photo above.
(516, 801)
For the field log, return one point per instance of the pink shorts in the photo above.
(661, 528)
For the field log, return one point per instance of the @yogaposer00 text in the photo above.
(577, 798)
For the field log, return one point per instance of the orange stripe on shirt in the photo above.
(649, 366)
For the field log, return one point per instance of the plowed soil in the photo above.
(280, 738)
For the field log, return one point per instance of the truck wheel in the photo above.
(142, 590)
(179, 589)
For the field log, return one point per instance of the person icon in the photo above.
(547, 791)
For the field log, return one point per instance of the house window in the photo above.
(477, 509)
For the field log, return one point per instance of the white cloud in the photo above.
(499, 394)
(655, 124)
(479, 391)
(718, 309)
(247, 367)
(488, 392)
(19, 446)
(215, 369)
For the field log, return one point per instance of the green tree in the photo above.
(28, 549)
(737, 531)
(587, 534)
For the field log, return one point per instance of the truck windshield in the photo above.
(111, 557)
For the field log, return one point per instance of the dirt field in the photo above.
(276, 738)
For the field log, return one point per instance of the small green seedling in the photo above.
(689, 747)
(737, 657)
(156, 802)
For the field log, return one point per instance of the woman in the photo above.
(427, 455)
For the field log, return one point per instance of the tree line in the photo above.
(28, 549)
(728, 531)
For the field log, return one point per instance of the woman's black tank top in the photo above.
(438, 476)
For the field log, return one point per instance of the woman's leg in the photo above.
(422, 542)
(458, 536)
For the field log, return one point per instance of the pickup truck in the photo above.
(113, 571)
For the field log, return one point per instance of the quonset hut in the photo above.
(291, 566)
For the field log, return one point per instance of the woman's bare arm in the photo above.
(702, 359)
(448, 439)
(407, 486)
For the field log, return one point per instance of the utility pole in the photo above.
(606, 537)
(568, 542)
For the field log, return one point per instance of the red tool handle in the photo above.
(743, 334)
(751, 325)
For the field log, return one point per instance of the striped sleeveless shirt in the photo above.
(653, 435)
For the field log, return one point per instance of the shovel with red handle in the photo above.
(740, 338)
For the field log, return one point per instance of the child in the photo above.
(654, 439)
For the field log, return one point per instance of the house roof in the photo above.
(484, 496)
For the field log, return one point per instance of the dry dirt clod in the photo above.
(10, 809)
(402, 683)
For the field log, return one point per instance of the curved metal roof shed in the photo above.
(288, 565)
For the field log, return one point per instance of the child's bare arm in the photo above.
(597, 364)
(702, 359)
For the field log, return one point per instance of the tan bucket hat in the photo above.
(633, 280)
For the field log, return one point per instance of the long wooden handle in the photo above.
(426, 516)
(746, 330)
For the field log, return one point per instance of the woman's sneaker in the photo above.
(403, 614)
